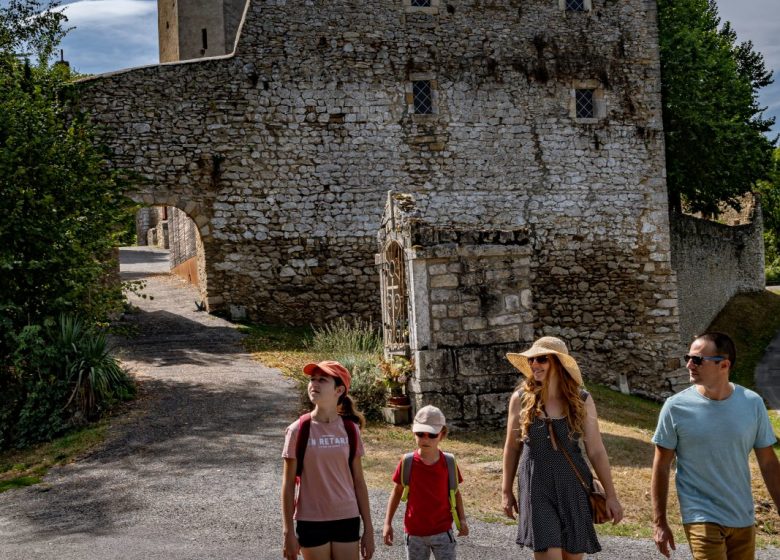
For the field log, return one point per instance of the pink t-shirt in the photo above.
(327, 492)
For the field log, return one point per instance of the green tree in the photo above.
(769, 195)
(63, 208)
(716, 148)
(61, 203)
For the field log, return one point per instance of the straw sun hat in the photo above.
(545, 346)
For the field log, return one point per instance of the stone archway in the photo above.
(174, 224)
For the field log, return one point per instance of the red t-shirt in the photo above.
(428, 507)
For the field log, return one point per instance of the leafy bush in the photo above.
(772, 273)
(357, 345)
(59, 377)
(346, 337)
(367, 389)
(64, 212)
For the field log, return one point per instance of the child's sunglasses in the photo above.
(424, 435)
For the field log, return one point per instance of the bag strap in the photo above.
(452, 482)
(301, 442)
(406, 473)
(561, 448)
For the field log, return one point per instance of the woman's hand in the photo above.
(614, 509)
(291, 547)
(367, 545)
(510, 504)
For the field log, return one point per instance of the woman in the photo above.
(550, 409)
(332, 496)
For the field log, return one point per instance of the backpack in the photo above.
(302, 442)
(452, 481)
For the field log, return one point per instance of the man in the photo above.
(711, 427)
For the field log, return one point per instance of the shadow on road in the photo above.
(188, 439)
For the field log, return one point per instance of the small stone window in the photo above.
(575, 5)
(584, 106)
(422, 97)
(422, 6)
(587, 102)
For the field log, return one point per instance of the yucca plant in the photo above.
(94, 375)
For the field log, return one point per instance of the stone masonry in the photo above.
(283, 153)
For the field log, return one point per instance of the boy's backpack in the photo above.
(452, 481)
(302, 442)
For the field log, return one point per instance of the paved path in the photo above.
(193, 470)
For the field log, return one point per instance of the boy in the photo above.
(428, 518)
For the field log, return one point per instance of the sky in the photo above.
(114, 34)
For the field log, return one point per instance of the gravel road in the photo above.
(193, 469)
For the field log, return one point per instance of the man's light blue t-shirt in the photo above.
(712, 440)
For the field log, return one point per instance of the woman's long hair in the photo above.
(534, 395)
(346, 407)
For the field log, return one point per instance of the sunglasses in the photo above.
(539, 359)
(698, 360)
(424, 435)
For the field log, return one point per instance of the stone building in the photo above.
(523, 138)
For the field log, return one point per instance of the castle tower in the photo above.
(197, 28)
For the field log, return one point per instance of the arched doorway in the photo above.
(169, 227)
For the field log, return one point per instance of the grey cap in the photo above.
(429, 419)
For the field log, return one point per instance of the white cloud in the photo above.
(752, 20)
(110, 34)
(107, 13)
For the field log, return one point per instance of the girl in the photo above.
(548, 410)
(332, 496)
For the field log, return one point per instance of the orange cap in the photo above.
(330, 368)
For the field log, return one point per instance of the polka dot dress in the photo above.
(554, 508)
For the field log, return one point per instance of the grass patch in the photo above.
(24, 467)
(284, 348)
(752, 320)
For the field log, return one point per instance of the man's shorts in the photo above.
(710, 541)
(317, 533)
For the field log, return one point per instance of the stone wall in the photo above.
(283, 154)
(714, 262)
(183, 236)
(145, 219)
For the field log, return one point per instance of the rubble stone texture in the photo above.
(283, 154)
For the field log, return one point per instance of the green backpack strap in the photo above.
(452, 473)
(406, 471)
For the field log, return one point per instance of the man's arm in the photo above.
(659, 492)
(770, 471)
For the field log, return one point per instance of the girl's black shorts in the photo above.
(317, 533)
